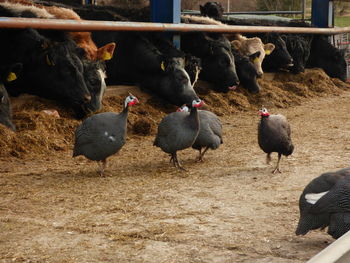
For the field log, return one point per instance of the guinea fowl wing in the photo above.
(216, 126)
(97, 129)
(337, 200)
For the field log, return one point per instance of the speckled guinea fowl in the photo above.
(103, 134)
(324, 202)
(274, 135)
(178, 131)
(210, 132)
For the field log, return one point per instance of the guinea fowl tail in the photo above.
(289, 150)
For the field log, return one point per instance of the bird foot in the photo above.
(277, 170)
(199, 159)
(182, 169)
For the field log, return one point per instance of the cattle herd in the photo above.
(74, 69)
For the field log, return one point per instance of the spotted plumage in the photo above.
(103, 134)
(274, 135)
(324, 202)
(178, 131)
(210, 132)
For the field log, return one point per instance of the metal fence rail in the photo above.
(88, 25)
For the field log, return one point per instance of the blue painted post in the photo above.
(167, 11)
(322, 13)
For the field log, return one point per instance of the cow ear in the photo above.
(236, 44)
(106, 52)
(269, 47)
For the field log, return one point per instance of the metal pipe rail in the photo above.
(193, 12)
(337, 252)
(89, 25)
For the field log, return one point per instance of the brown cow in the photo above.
(83, 39)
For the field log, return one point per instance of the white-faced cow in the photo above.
(249, 46)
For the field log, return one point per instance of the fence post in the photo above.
(167, 12)
(322, 13)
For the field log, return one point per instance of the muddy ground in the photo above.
(54, 208)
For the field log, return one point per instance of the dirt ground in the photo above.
(230, 208)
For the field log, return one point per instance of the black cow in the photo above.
(212, 9)
(246, 71)
(280, 58)
(7, 74)
(53, 65)
(214, 50)
(299, 48)
(324, 55)
(50, 69)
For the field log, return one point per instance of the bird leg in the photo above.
(206, 149)
(178, 165)
(199, 158)
(173, 158)
(201, 154)
(268, 158)
(277, 168)
(103, 166)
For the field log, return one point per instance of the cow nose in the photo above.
(87, 98)
(259, 74)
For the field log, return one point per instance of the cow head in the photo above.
(218, 65)
(246, 71)
(212, 9)
(173, 84)
(51, 69)
(280, 57)
(331, 59)
(64, 75)
(299, 48)
(250, 46)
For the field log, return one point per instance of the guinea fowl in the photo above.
(210, 132)
(274, 135)
(324, 202)
(103, 134)
(178, 131)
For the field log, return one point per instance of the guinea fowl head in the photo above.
(183, 108)
(130, 100)
(263, 112)
(197, 103)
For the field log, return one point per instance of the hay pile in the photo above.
(39, 133)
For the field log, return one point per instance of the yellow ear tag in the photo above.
(162, 66)
(106, 56)
(49, 62)
(12, 76)
(267, 52)
(256, 60)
